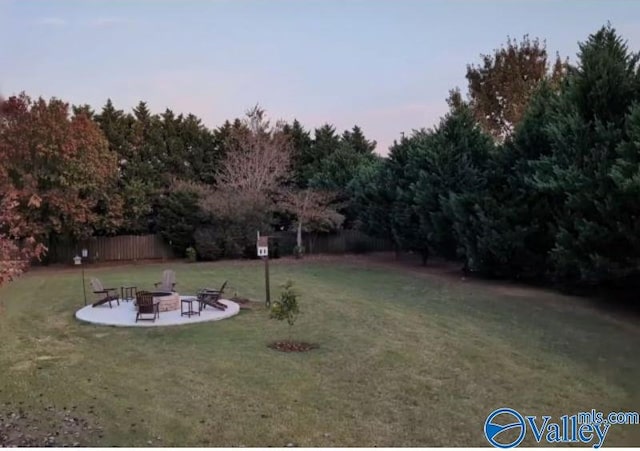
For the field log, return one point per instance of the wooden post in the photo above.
(262, 247)
(266, 280)
(84, 291)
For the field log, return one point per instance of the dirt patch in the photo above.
(292, 346)
(245, 303)
(18, 427)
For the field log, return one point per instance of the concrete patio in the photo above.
(124, 315)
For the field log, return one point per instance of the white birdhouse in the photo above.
(77, 260)
(263, 246)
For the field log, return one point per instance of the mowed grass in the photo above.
(403, 359)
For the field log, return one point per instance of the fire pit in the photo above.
(167, 300)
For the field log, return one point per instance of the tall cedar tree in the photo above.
(509, 231)
(591, 135)
(451, 162)
(373, 197)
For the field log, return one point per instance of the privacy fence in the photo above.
(111, 248)
(342, 242)
(152, 247)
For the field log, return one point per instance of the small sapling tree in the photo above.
(286, 308)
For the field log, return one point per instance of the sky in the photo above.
(385, 65)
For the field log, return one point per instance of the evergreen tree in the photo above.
(373, 198)
(590, 125)
(451, 162)
(178, 217)
(136, 188)
(401, 177)
(508, 231)
(358, 142)
(301, 151)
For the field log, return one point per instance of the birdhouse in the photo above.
(77, 260)
(263, 246)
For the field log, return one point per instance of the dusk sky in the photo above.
(384, 65)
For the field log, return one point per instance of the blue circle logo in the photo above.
(513, 419)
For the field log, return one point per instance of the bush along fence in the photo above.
(152, 247)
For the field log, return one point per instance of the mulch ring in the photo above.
(292, 346)
(61, 428)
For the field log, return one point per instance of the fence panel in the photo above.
(341, 242)
(116, 248)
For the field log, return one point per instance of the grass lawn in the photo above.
(405, 358)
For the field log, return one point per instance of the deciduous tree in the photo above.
(501, 86)
(313, 210)
(62, 161)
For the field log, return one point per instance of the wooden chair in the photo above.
(106, 294)
(146, 306)
(211, 297)
(168, 281)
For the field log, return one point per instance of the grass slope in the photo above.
(404, 359)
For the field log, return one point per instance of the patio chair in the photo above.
(211, 297)
(146, 306)
(106, 294)
(168, 281)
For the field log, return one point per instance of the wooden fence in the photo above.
(342, 242)
(115, 248)
(150, 247)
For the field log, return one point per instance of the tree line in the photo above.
(537, 182)
(534, 173)
(68, 172)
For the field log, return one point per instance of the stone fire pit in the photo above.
(168, 301)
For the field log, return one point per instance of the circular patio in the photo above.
(125, 315)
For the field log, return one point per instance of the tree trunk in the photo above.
(299, 235)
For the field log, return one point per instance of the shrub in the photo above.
(286, 308)
(298, 251)
(207, 244)
(191, 254)
(178, 217)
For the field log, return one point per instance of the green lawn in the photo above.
(403, 359)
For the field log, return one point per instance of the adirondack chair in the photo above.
(168, 280)
(211, 297)
(106, 295)
(146, 306)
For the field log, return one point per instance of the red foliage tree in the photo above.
(57, 176)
